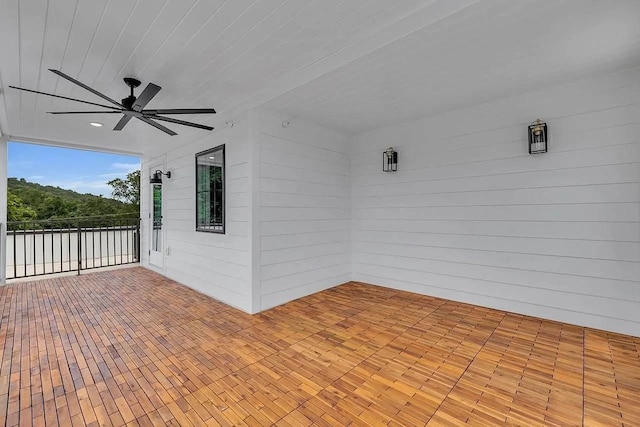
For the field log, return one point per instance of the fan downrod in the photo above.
(129, 100)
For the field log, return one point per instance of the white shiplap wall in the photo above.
(218, 265)
(471, 216)
(303, 216)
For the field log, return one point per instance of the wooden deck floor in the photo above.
(131, 347)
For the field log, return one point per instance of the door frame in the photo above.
(156, 258)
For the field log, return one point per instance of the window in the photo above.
(210, 190)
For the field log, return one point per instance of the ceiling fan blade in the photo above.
(122, 122)
(84, 112)
(181, 111)
(157, 125)
(180, 122)
(84, 86)
(147, 94)
(63, 97)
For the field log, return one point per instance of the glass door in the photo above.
(155, 253)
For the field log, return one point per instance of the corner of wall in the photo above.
(350, 151)
(302, 214)
(637, 132)
(254, 211)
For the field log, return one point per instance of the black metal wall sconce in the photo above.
(389, 160)
(156, 178)
(538, 137)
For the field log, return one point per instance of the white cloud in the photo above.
(127, 167)
(112, 175)
(21, 163)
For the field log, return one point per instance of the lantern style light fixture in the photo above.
(389, 160)
(156, 178)
(538, 137)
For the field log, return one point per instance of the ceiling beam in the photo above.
(63, 144)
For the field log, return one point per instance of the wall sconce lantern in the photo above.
(538, 137)
(390, 160)
(156, 178)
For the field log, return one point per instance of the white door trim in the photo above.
(156, 257)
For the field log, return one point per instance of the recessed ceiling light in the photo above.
(212, 157)
(96, 124)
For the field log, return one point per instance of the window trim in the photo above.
(224, 190)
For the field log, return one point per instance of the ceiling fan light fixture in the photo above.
(96, 124)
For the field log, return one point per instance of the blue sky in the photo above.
(77, 170)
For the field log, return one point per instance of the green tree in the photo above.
(57, 207)
(127, 190)
(32, 201)
(16, 209)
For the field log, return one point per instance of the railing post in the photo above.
(137, 243)
(15, 255)
(3, 253)
(79, 248)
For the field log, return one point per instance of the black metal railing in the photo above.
(52, 246)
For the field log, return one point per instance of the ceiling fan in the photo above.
(131, 106)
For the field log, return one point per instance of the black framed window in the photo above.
(210, 203)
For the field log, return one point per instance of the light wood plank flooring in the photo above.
(130, 347)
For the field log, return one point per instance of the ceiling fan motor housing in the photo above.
(128, 102)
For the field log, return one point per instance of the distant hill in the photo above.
(31, 201)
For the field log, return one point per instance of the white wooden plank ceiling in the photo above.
(490, 50)
(350, 64)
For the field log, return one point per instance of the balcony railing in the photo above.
(42, 247)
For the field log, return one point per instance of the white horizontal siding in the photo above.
(289, 229)
(218, 265)
(552, 230)
(595, 249)
(303, 209)
(471, 216)
(613, 154)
